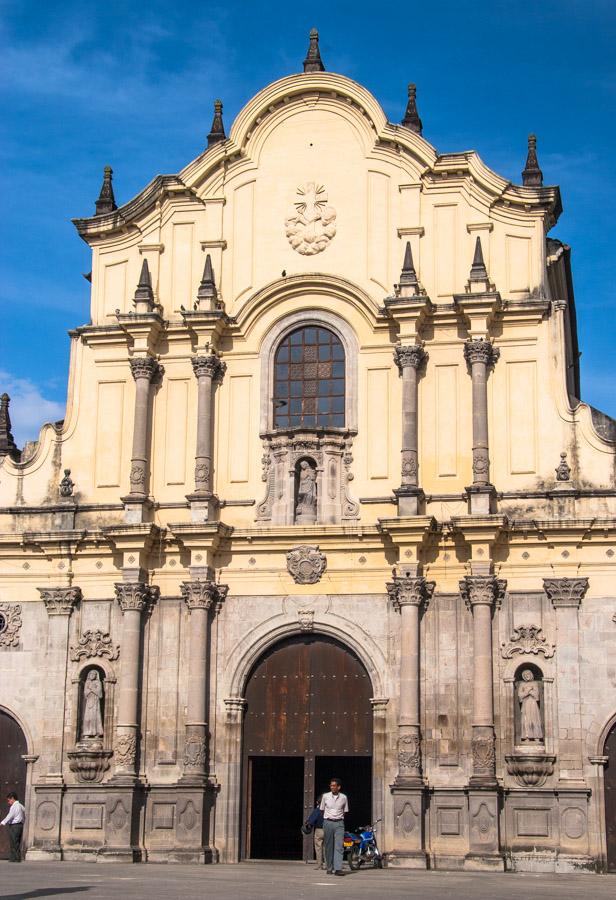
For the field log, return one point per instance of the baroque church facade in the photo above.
(325, 501)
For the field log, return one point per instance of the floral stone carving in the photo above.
(94, 643)
(306, 564)
(89, 765)
(10, 624)
(311, 224)
(530, 770)
(527, 639)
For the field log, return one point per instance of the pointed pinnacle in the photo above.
(144, 286)
(217, 132)
(478, 268)
(106, 200)
(532, 176)
(411, 118)
(408, 276)
(207, 288)
(313, 61)
(8, 446)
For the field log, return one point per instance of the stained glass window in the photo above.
(309, 380)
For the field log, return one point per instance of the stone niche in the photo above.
(307, 477)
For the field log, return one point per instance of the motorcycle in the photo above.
(361, 847)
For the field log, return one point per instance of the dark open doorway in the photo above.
(355, 773)
(276, 807)
(12, 770)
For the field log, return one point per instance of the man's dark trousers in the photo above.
(334, 838)
(15, 833)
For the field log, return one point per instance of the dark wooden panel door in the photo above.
(12, 770)
(610, 799)
(308, 696)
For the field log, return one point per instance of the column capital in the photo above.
(135, 595)
(409, 355)
(145, 367)
(482, 590)
(409, 590)
(209, 366)
(203, 594)
(565, 592)
(60, 601)
(480, 351)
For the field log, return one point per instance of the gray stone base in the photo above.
(400, 860)
(489, 862)
(37, 854)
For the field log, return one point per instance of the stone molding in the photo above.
(209, 367)
(60, 601)
(409, 590)
(145, 367)
(94, 644)
(527, 639)
(482, 590)
(565, 592)
(480, 351)
(135, 595)
(306, 564)
(412, 355)
(10, 624)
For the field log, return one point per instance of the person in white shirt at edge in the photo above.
(15, 823)
(334, 805)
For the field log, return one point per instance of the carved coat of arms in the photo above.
(311, 224)
(306, 564)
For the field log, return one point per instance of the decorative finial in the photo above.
(66, 485)
(478, 268)
(106, 200)
(207, 288)
(563, 470)
(217, 132)
(144, 295)
(8, 446)
(411, 118)
(532, 176)
(313, 61)
(408, 276)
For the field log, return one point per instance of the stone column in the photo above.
(200, 597)
(59, 603)
(209, 370)
(480, 355)
(144, 369)
(134, 598)
(232, 786)
(409, 593)
(409, 358)
(566, 595)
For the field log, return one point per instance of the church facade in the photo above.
(325, 501)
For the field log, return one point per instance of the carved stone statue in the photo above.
(306, 505)
(91, 720)
(531, 727)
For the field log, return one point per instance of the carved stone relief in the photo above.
(125, 748)
(306, 619)
(311, 223)
(10, 624)
(94, 643)
(527, 639)
(306, 564)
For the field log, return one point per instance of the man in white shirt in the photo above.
(334, 805)
(15, 823)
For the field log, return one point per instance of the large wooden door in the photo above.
(12, 770)
(308, 698)
(610, 799)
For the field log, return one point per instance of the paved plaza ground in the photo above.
(275, 881)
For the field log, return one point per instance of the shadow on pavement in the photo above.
(44, 892)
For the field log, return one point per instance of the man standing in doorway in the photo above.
(15, 823)
(334, 805)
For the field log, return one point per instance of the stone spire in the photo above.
(532, 176)
(408, 276)
(207, 289)
(478, 268)
(217, 132)
(144, 295)
(411, 118)
(313, 61)
(8, 446)
(106, 201)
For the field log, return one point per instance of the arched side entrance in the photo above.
(12, 769)
(610, 798)
(308, 717)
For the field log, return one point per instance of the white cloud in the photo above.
(29, 409)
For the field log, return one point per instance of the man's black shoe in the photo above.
(330, 872)
(338, 872)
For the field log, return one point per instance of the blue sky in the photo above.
(132, 85)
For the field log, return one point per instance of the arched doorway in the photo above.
(12, 769)
(308, 717)
(610, 798)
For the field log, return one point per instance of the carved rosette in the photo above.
(135, 596)
(60, 601)
(482, 590)
(480, 351)
(409, 755)
(95, 643)
(145, 367)
(565, 592)
(306, 564)
(10, 624)
(209, 366)
(527, 639)
(409, 590)
(412, 355)
(125, 749)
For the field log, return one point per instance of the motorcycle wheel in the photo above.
(355, 860)
(378, 862)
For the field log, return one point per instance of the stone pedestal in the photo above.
(409, 842)
(45, 835)
(177, 823)
(484, 841)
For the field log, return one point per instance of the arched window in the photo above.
(309, 382)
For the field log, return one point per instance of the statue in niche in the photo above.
(531, 727)
(91, 719)
(306, 503)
